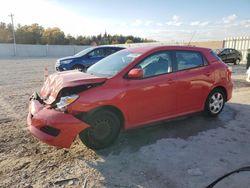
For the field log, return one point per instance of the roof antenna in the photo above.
(192, 37)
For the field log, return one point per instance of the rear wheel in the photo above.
(237, 62)
(215, 102)
(104, 129)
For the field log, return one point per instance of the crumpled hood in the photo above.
(59, 80)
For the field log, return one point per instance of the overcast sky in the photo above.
(162, 20)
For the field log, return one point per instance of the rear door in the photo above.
(231, 55)
(194, 79)
(224, 55)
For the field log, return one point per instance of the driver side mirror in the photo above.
(135, 73)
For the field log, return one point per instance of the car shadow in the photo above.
(182, 128)
(122, 160)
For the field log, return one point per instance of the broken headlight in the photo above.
(65, 101)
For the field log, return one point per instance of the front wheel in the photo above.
(215, 102)
(237, 62)
(79, 68)
(104, 129)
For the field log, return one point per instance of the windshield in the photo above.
(84, 52)
(113, 64)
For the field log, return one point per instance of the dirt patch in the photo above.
(187, 152)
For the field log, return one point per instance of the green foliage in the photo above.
(5, 33)
(36, 34)
(29, 34)
(248, 58)
(129, 41)
(53, 36)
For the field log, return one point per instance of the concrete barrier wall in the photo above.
(205, 44)
(26, 50)
(208, 44)
(29, 50)
(6, 50)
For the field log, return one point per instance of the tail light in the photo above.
(229, 73)
(230, 69)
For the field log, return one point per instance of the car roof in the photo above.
(118, 47)
(228, 49)
(153, 48)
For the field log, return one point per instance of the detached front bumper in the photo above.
(52, 127)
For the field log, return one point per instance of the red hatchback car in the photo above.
(128, 89)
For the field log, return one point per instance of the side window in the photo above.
(226, 51)
(97, 53)
(109, 51)
(156, 64)
(188, 60)
(234, 51)
(216, 56)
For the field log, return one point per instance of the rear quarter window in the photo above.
(216, 56)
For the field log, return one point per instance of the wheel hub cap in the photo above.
(101, 129)
(216, 103)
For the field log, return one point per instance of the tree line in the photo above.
(36, 34)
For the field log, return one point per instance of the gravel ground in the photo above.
(188, 152)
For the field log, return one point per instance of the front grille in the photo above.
(50, 130)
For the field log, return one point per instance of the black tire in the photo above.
(215, 103)
(237, 62)
(79, 67)
(105, 128)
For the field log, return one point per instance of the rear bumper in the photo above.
(67, 125)
(229, 89)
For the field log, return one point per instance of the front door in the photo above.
(152, 97)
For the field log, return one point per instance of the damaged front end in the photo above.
(48, 118)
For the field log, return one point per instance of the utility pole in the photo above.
(13, 31)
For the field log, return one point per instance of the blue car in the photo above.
(84, 59)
